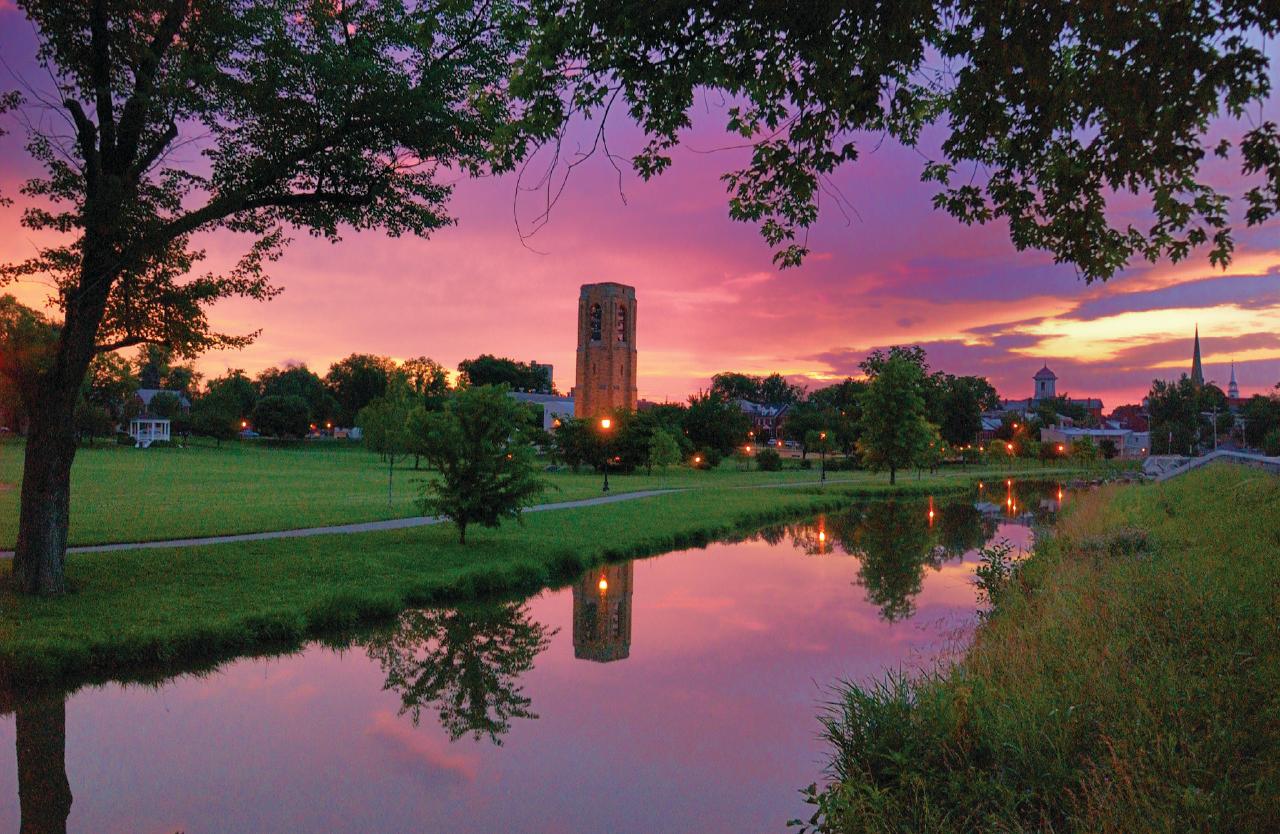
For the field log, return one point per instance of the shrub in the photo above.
(806, 464)
(123, 438)
(768, 460)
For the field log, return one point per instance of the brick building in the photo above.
(606, 372)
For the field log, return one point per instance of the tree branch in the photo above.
(128, 341)
(100, 70)
(87, 136)
(133, 116)
(310, 198)
(153, 151)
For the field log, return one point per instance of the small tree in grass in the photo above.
(385, 423)
(664, 450)
(895, 433)
(769, 460)
(485, 461)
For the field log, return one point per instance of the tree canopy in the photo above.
(1047, 117)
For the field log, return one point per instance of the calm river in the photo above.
(672, 694)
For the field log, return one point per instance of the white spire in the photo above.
(1233, 390)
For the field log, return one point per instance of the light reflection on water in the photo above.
(670, 694)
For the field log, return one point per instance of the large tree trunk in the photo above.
(39, 559)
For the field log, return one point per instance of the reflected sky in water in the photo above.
(677, 693)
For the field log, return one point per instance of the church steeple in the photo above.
(1233, 390)
(1197, 371)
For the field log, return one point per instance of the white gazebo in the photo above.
(144, 430)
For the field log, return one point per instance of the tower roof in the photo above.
(1197, 370)
(1045, 373)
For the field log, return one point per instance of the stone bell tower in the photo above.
(606, 377)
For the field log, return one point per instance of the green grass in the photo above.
(1129, 681)
(169, 608)
(125, 494)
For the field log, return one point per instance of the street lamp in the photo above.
(605, 425)
(822, 450)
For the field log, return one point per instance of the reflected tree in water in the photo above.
(893, 543)
(44, 793)
(962, 527)
(465, 663)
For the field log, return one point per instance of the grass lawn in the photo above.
(125, 494)
(163, 610)
(1128, 681)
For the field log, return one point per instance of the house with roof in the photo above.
(144, 397)
(766, 419)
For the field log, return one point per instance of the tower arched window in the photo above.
(597, 322)
(621, 325)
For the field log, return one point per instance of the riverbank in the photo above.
(122, 494)
(143, 611)
(1127, 680)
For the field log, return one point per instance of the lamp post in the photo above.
(605, 425)
(822, 450)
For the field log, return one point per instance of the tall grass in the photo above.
(1129, 682)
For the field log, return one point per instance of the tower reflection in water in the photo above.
(602, 613)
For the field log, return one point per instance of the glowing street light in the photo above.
(823, 450)
(603, 584)
(605, 425)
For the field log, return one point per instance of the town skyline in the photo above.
(897, 272)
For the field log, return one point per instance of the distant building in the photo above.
(1046, 382)
(145, 395)
(605, 378)
(1131, 417)
(766, 420)
(148, 430)
(546, 370)
(554, 406)
(1045, 388)
(1129, 444)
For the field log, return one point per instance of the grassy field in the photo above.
(163, 610)
(125, 494)
(1127, 681)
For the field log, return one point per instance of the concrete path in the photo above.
(339, 529)
(1244, 458)
(391, 524)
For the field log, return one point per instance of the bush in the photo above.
(123, 438)
(1271, 443)
(806, 464)
(768, 460)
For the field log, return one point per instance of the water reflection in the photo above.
(464, 663)
(895, 540)
(732, 638)
(602, 614)
(44, 793)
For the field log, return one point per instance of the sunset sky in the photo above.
(709, 298)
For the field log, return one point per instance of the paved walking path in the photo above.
(1227, 456)
(338, 529)
(390, 524)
